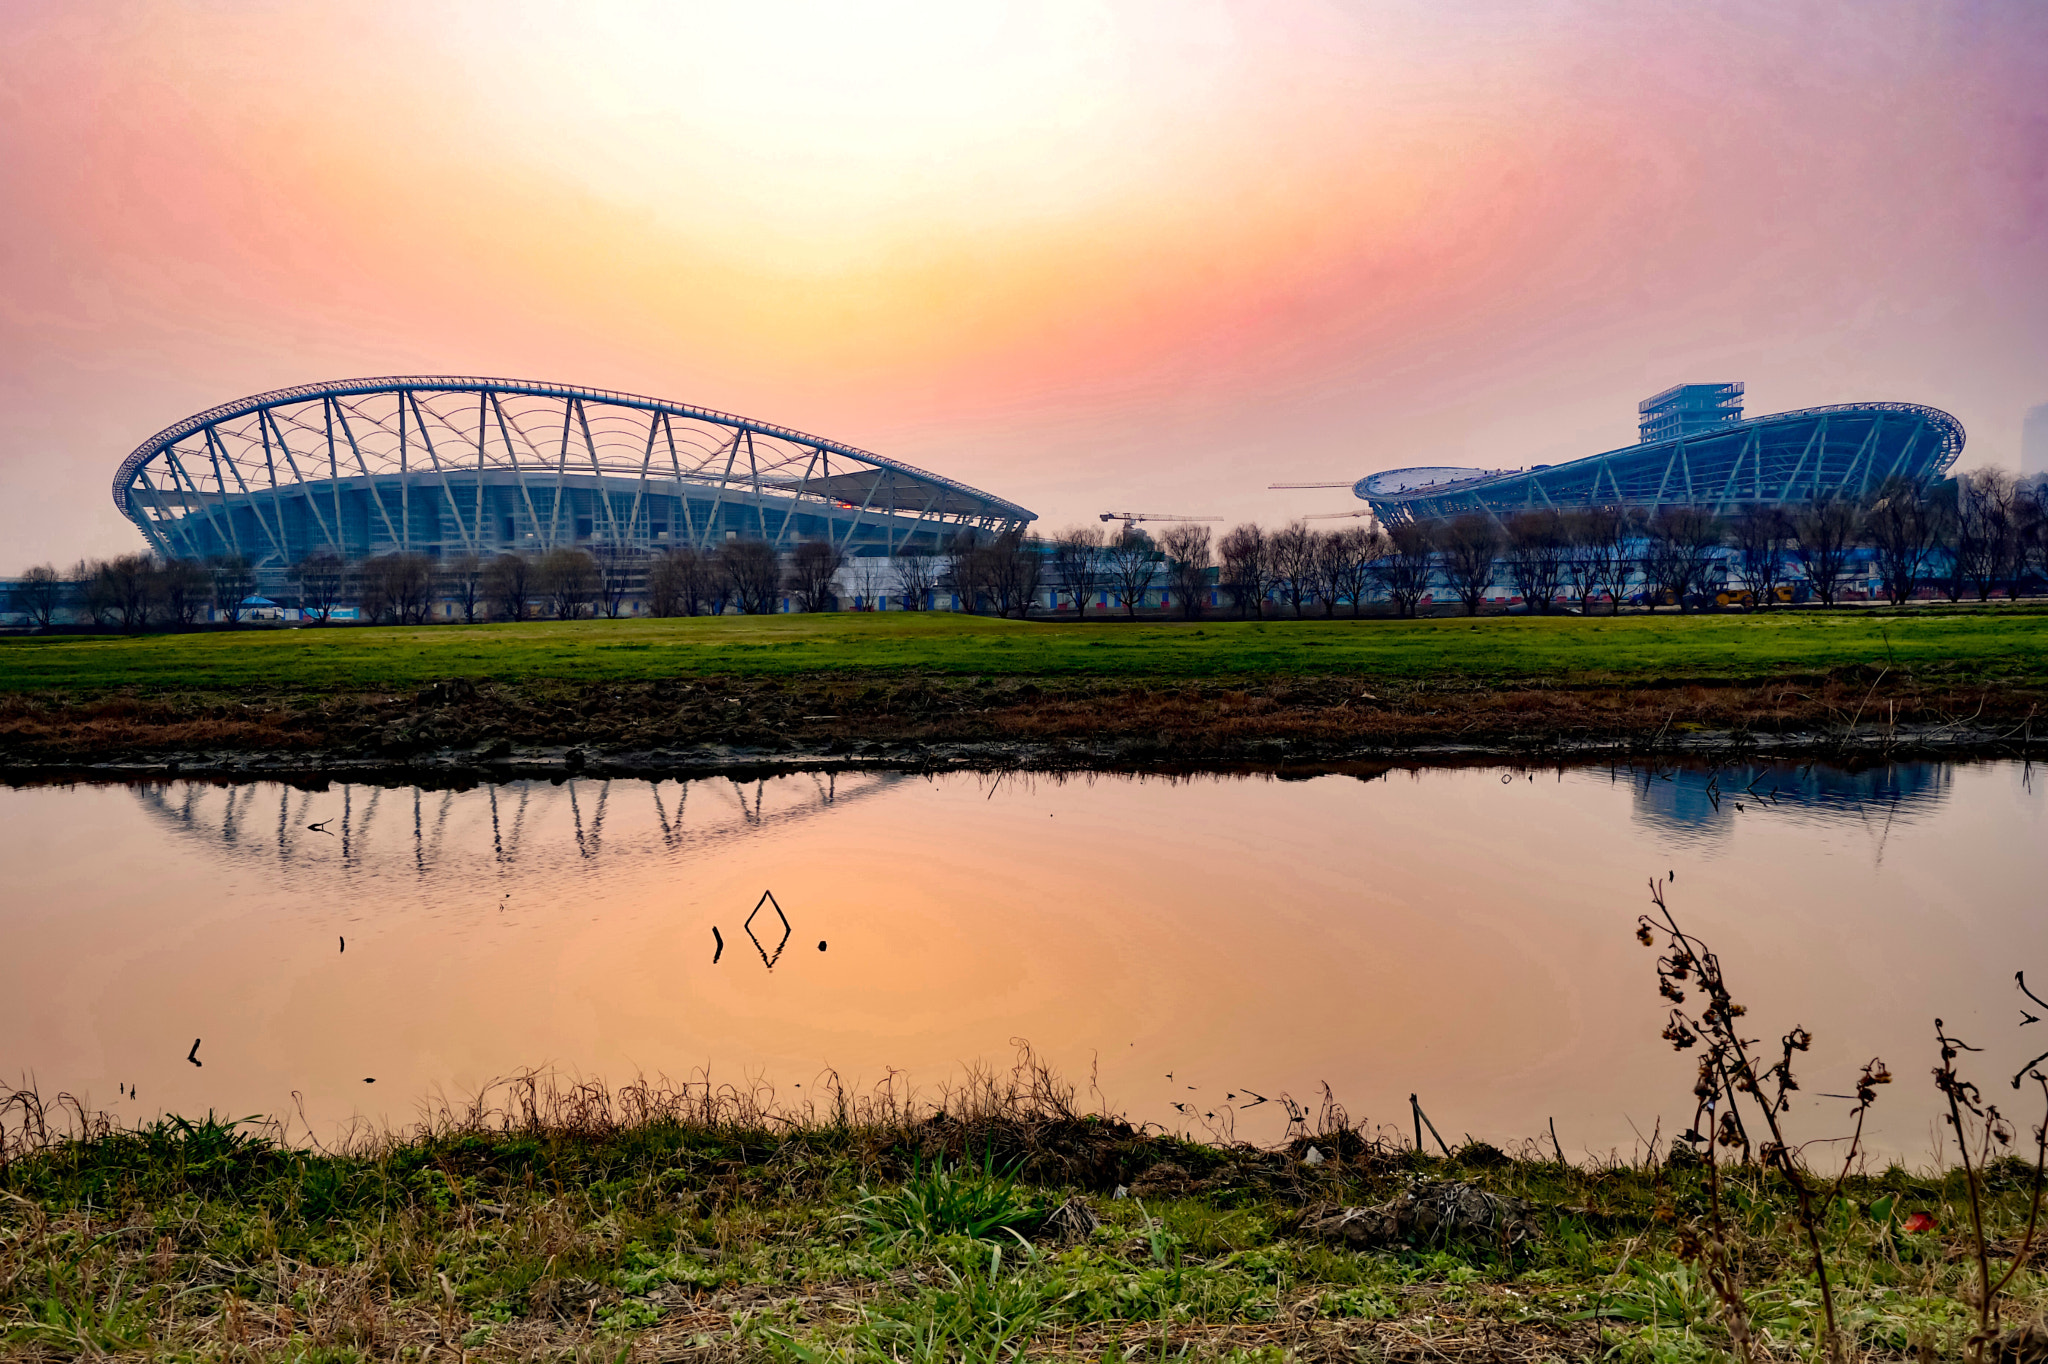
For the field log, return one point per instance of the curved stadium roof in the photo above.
(452, 464)
(1852, 448)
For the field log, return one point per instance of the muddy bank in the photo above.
(463, 731)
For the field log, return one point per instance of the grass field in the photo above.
(1963, 647)
(699, 1231)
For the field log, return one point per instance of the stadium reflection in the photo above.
(1460, 932)
(1702, 804)
(534, 827)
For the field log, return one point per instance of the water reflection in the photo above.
(531, 826)
(1464, 934)
(1700, 805)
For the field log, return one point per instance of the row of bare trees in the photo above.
(136, 591)
(1002, 573)
(569, 583)
(1125, 566)
(1983, 533)
(1978, 535)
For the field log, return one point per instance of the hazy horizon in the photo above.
(1087, 256)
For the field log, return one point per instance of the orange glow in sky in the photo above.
(1155, 255)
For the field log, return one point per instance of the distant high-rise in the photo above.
(1685, 408)
(2034, 442)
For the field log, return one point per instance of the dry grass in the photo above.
(555, 1220)
(1048, 723)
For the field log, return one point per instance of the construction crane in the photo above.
(1347, 483)
(1338, 516)
(1130, 517)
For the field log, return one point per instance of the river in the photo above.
(1190, 943)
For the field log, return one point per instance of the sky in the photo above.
(1088, 255)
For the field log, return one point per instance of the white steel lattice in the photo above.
(449, 465)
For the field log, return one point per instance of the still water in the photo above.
(1461, 933)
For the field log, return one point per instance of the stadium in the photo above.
(1696, 450)
(446, 466)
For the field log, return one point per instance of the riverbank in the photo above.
(461, 731)
(773, 693)
(1000, 1223)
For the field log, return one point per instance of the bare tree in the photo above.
(39, 596)
(1537, 553)
(1406, 563)
(1761, 538)
(96, 594)
(664, 588)
(617, 567)
(233, 581)
(412, 586)
(1471, 547)
(1984, 535)
(509, 583)
(128, 589)
(1291, 558)
(373, 602)
(1186, 547)
(568, 579)
(870, 581)
(1353, 552)
(698, 578)
(675, 582)
(917, 576)
(755, 572)
(1133, 566)
(1016, 567)
(2034, 540)
(812, 569)
(1326, 569)
(2009, 521)
(1592, 537)
(322, 577)
(1077, 561)
(181, 590)
(462, 581)
(1824, 534)
(1901, 530)
(1246, 572)
(398, 587)
(967, 569)
(1603, 543)
(1678, 552)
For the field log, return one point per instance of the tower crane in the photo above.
(1130, 517)
(1347, 483)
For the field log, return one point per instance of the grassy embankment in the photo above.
(1635, 648)
(666, 1226)
(1192, 689)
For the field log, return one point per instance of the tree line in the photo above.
(750, 576)
(1979, 535)
(1976, 536)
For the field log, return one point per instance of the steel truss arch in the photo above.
(455, 464)
(1848, 449)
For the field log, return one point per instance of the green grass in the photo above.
(1967, 646)
(732, 1238)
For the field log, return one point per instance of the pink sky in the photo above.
(1090, 256)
